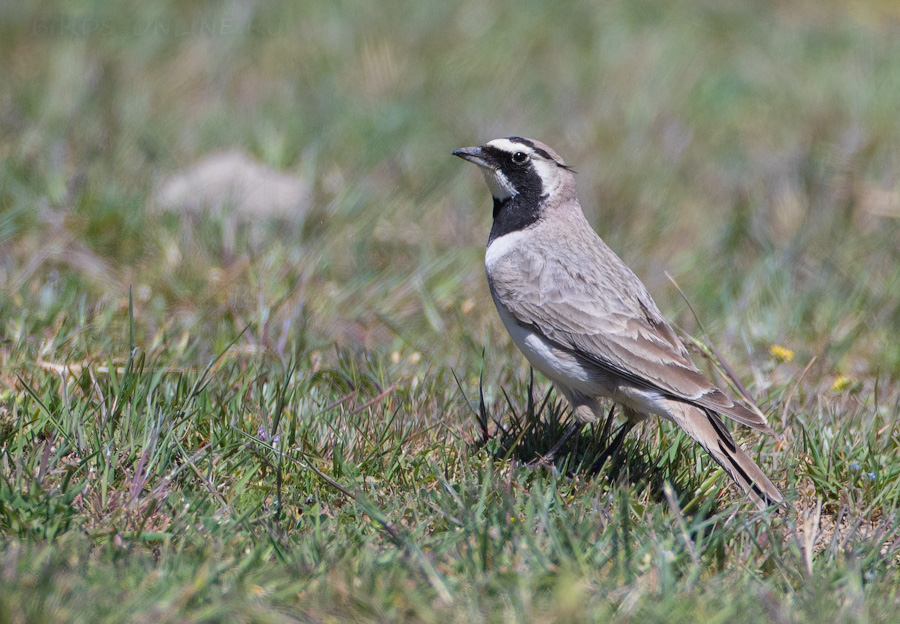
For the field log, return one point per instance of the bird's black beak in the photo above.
(474, 155)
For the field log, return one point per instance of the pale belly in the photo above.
(568, 371)
(557, 365)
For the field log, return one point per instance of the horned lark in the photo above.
(585, 320)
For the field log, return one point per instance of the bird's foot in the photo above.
(548, 459)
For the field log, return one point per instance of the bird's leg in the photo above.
(547, 459)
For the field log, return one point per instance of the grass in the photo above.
(216, 419)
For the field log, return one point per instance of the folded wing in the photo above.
(604, 313)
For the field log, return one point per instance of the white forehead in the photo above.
(510, 146)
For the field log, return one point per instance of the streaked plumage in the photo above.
(585, 320)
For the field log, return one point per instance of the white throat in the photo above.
(498, 183)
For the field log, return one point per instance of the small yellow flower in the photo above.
(842, 383)
(782, 354)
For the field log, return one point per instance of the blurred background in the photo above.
(272, 182)
(749, 149)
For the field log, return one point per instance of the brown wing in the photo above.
(590, 302)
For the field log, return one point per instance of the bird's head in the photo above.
(521, 168)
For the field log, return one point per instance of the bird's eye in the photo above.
(520, 158)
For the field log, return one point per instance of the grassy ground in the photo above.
(323, 420)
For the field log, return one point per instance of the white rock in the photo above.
(234, 181)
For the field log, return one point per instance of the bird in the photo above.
(583, 318)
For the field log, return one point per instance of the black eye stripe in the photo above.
(499, 154)
(496, 152)
(537, 150)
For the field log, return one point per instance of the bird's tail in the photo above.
(707, 429)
